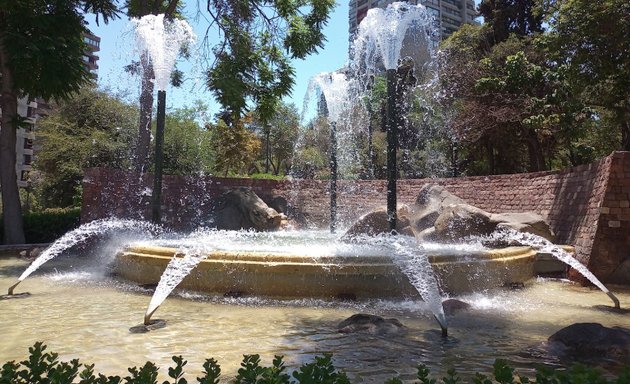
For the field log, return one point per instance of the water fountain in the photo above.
(162, 39)
(305, 264)
(333, 89)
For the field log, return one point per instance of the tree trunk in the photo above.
(490, 153)
(267, 148)
(624, 125)
(146, 111)
(534, 149)
(12, 211)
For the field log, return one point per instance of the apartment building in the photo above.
(449, 15)
(90, 58)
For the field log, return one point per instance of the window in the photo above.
(28, 159)
(24, 176)
(28, 143)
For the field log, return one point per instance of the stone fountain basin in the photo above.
(295, 276)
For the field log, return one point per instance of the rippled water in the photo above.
(80, 313)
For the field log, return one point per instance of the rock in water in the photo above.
(371, 324)
(592, 340)
(242, 209)
(452, 306)
(375, 223)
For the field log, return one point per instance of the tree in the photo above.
(279, 136)
(520, 17)
(92, 129)
(250, 63)
(41, 51)
(591, 39)
(187, 147)
(311, 157)
(234, 147)
(514, 108)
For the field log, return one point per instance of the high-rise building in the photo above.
(450, 15)
(90, 58)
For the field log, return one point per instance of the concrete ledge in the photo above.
(292, 276)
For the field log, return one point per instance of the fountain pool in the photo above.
(81, 312)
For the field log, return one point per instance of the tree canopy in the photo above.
(252, 64)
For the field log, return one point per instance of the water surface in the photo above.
(78, 311)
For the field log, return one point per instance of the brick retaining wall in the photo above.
(587, 206)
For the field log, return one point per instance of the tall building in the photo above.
(450, 15)
(90, 58)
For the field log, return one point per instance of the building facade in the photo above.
(449, 15)
(93, 45)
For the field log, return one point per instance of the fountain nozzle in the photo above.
(147, 317)
(11, 295)
(11, 288)
(614, 299)
(442, 321)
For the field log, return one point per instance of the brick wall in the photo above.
(587, 206)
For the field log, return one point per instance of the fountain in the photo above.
(301, 269)
(333, 89)
(162, 39)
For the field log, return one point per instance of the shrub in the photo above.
(50, 224)
(45, 367)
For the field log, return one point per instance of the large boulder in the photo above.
(430, 203)
(242, 209)
(528, 222)
(439, 215)
(460, 221)
(371, 324)
(375, 223)
(591, 340)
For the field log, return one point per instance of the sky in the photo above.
(117, 49)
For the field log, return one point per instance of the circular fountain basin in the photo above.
(288, 275)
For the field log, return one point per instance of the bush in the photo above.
(45, 367)
(50, 224)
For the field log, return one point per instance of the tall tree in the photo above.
(520, 17)
(41, 52)
(279, 135)
(591, 39)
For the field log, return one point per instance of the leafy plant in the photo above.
(44, 367)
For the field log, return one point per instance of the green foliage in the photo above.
(50, 224)
(251, 64)
(278, 136)
(93, 129)
(234, 148)
(321, 370)
(591, 39)
(311, 157)
(44, 367)
(44, 45)
(187, 147)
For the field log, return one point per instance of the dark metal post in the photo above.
(333, 176)
(159, 158)
(392, 145)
